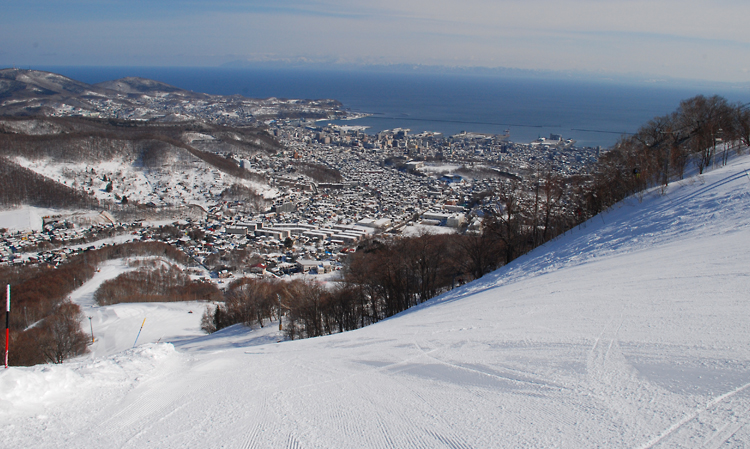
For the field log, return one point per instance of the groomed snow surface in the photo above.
(629, 332)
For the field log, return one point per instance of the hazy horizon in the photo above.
(125, 70)
(648, 41)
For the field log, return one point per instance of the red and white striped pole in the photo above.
(7, 325)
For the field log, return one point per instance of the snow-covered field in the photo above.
(25, 218)
(631, 331)
(445, 168)
(117, 326)
(418, 229)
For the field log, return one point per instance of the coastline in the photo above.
(593, 114)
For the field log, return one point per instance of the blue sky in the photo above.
(659, 38)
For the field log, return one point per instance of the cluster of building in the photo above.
(404, 179)
(555, 152)
(388, 181)
(58, 240)
(186, 106)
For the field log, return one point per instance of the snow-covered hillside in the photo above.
(181, 179)
(631, 331)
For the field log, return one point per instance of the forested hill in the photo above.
(32, 92)
(77, 158)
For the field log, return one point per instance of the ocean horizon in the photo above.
(593, 113)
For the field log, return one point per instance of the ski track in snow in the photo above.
(628, 332)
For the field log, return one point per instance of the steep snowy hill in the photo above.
(628, 332)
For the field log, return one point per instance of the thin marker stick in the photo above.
(139, 332)
(7, 325)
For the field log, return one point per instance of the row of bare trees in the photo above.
(394, 275)
(40, 322)
(702, 131)
(163, 283)
(309, 310)
(319, 172)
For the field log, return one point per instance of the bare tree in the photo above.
(62, 336)
(481, 251)
(508, 222)
(552, 187)
(742, 124)
(704, 118)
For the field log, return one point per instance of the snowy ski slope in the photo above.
(630, 332)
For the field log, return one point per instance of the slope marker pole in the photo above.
(7, 325)
(92, 331)
(139, 332)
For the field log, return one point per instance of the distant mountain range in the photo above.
(31, 92)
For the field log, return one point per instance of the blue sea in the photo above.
(592, 113)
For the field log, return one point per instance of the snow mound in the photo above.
(32, 389)
(38, 386)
